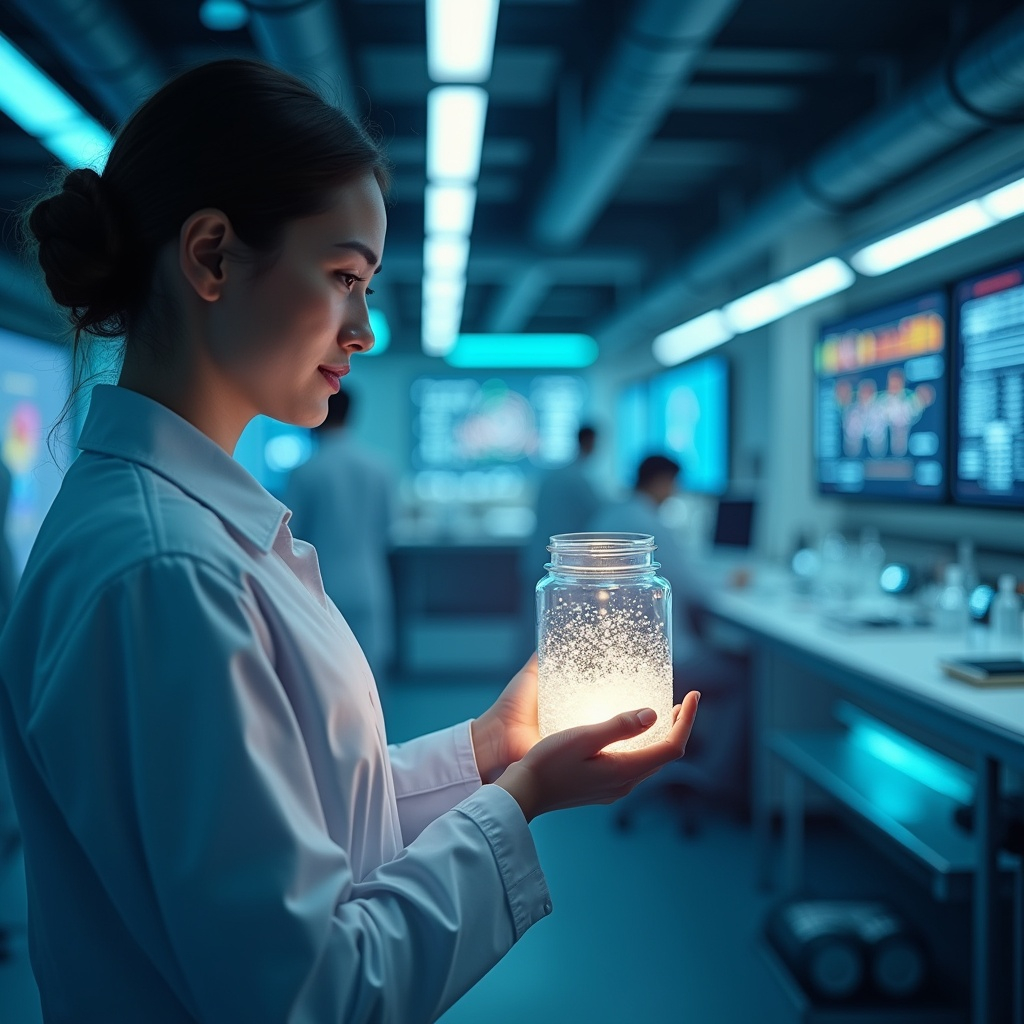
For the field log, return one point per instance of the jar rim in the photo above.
(605, 543)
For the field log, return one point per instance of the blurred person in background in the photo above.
(566, 502)
(721, 675)
(342, 502)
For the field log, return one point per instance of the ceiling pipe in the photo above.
(648, 68)
(305, 37)
(984, 88)
(103, 49)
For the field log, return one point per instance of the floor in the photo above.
(649, 925)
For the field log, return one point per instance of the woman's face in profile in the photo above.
(282, 337)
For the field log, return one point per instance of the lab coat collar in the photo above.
(130, 426)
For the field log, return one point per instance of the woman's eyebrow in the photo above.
(364, 250)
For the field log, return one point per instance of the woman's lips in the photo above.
(333, 375)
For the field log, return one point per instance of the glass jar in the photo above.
(604, 634)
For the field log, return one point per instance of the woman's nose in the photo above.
(357, 337)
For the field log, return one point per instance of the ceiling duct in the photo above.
(649, 66)
(103, 49)
(984, 88)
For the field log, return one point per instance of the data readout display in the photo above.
(881, 403)
(989, 433)
(490, 434)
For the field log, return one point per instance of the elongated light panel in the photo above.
(460, 39)
(455, 132)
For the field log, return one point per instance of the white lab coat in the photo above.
(342, 502)
(215, 828)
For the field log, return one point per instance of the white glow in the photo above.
(1005, 202)
(460, 39)
(826, 278)
(692, 338)
(445, 256)
(438, 342)
(757, 308)
(448, 209)
(921, 239)
(455, 132)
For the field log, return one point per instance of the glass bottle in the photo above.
(1005, 616)
(952, 616)
(604, 634)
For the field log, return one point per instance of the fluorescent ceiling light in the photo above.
(826, 278)
(927, 237)
(444, 290)
(448, 209)
(460, 39)
(455, 132)
(760, 307)
(44, 110)
(1005, 202)
(534, 350)
(224, 15)
(445, 256)
(381, 332)
(692, 338)
(779, 299)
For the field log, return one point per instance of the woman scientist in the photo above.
(215, 828)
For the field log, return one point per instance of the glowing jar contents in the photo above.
(604, 634)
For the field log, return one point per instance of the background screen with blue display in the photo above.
(689, 421)
(631, 432)
(989, 407)
(33, 390)
(881, 402)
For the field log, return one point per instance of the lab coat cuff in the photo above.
(499, 817)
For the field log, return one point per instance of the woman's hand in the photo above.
(571, 768)
(508, 728)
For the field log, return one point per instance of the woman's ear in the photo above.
(202, 245)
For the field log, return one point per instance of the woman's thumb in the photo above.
(621, 727)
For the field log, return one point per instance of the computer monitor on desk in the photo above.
(734, 524)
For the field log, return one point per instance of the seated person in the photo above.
(722, 677)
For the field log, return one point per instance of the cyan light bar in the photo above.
(44, 110)
(381, 332)
(513, 350)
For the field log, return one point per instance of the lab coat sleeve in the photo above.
(251, 912)
(432, 774)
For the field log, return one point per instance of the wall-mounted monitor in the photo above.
(989, 404)
(632, 430)
(880, 402)
(485, 436)
(33, 390)
(689, 421)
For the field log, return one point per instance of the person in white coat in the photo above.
(9, 834)
(342, 502)
(215, 827)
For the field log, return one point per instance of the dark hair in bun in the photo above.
(84, 254)
(237, 135)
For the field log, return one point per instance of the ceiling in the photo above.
(741, 106)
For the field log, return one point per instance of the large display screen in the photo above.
(485, 436)
(881, 402)
(989, 434)
(33, 390)
(689, 421)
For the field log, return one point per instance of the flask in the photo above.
(951, 612)
(1006, 615)
(604, 634)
